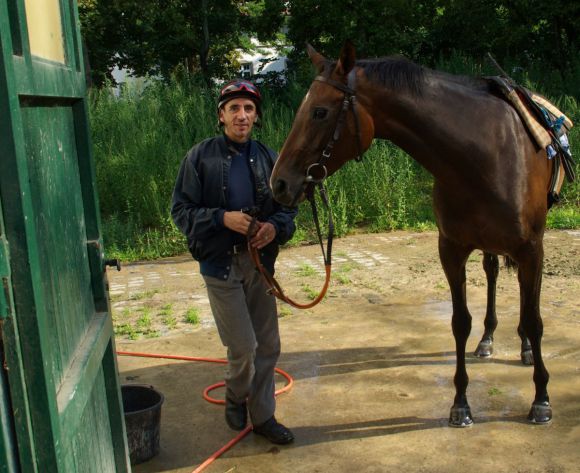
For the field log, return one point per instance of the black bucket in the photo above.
(142, 406)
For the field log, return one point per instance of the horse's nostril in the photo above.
(280, 186)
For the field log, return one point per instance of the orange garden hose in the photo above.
(208, 398)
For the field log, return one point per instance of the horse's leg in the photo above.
(453, 258)
(491, 266)
(530, 263)
(485, 347)
(526, 354)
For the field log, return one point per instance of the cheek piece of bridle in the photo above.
(315, 175)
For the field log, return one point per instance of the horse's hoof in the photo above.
(460, 416)
(484, 349)
(540, 413)
(527, 357)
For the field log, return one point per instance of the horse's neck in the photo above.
(426, 125)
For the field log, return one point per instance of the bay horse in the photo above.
(490, 179)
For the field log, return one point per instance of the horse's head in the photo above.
(330, 128)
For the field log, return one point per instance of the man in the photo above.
(222, 184)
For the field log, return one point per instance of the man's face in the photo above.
(238, 117)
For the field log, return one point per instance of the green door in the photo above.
(59, 391)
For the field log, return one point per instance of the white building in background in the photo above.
(262, 60)
(123, 77)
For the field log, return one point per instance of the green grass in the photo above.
(144, 321)
(341, 274)
(563, 217)
(168, 316)
(284, 311)
(142, 326)
(192, 316)
(342, 278)
(128, 330)
(310, 293)
(305, 270)
(441, 285)
(143, 295)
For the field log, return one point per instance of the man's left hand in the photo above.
(265, 234)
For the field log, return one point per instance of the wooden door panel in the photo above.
(60, 230)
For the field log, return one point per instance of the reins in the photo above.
(273, 285)
(312, 181)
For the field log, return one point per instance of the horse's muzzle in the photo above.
(287, 194)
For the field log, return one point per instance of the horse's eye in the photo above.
(319, 113)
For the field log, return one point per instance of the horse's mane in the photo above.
(395, 72)
(399, 73)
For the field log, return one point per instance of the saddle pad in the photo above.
(542, 137)
(558, 179)
(552, 109)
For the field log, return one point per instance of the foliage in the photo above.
(192, 316)
(376, 27)
(152, 37)
(525, 34)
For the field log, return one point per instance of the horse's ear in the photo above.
(317, 59)
(347, 58)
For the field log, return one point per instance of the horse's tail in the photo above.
(509, 263)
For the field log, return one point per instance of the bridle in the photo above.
(349, 101)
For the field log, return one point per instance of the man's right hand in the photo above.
(238, 222)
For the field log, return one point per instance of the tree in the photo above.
(154, 36)
(529, 32)
(376, 27)
(525, 30)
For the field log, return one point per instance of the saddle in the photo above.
(548, 126)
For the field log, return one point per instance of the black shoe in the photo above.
(274, 431)
(236, 415)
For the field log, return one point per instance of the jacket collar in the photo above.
(227, 146)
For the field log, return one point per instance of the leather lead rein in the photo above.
(271, 283)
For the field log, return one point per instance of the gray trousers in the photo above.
(247, 322)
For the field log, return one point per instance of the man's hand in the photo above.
(237, 221)
(265, 234)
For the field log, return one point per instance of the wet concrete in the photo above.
(373, 367)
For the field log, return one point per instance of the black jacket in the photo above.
(200, 200)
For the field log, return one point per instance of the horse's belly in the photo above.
(491, 226)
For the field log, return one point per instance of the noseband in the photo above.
(349, 101)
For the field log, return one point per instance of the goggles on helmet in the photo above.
(240, 86)
(240, 89)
